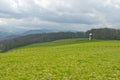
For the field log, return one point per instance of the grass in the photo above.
(70, 59)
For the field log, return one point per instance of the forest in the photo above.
(5, 45)
(102, 33)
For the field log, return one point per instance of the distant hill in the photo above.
(39, 31)
(8, 35)
(10, 32)
(4, 35)
(37, 38)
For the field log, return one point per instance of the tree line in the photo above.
(8, 44)
(104, 33)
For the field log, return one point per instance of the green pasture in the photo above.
(70, 59)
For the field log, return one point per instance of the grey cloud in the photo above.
(54, 13)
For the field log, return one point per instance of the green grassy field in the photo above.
(71, 59)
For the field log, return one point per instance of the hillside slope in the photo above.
(71, 59)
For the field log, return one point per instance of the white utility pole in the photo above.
(90, 36)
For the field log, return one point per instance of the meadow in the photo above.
(70, 59)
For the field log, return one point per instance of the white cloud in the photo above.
(2, 22)
(59, 14)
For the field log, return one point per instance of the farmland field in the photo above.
(70, 59)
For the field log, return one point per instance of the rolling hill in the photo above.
(69, 59)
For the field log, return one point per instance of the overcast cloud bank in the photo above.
(79, 15)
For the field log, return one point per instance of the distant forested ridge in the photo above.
(105, 33)
(5, 45)
(102, 33)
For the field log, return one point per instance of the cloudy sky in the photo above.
(79, 15)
